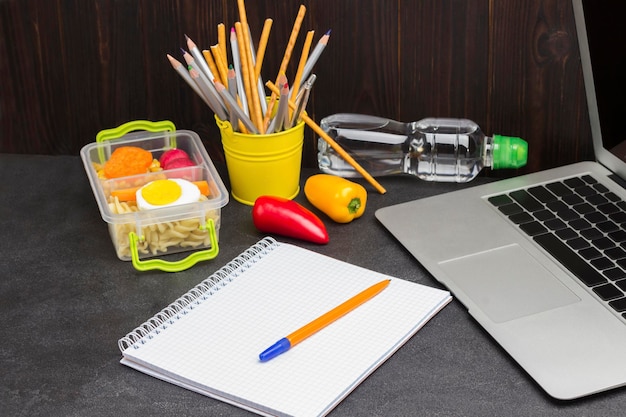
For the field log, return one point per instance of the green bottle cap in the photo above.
(509, 152)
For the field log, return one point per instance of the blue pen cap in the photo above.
(276, 349)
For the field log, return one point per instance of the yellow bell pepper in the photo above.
(340, 199)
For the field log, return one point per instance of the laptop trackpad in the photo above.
(507, 283)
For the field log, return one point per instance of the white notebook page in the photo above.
(214, 348)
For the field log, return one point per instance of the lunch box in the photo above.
(141, 234)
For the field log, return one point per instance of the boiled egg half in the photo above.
(166, 193)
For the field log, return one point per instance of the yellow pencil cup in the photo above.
(262, 164)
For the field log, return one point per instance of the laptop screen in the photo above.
(606, 38)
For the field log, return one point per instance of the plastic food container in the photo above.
(140, 234)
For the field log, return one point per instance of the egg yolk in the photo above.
(161, 192)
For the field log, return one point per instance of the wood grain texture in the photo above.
(536, 87)
(70, 69)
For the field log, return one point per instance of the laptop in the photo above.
(539, 260)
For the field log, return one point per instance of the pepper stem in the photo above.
(354, 205)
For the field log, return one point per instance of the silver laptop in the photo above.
(540, 260)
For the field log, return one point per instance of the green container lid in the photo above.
(509, 152)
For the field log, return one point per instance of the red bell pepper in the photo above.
(286, 217)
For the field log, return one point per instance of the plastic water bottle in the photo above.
(433, 149)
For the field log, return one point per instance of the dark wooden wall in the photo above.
(69, 68)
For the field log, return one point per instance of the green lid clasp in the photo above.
(174, 266)
(135, 125)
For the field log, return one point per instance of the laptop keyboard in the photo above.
(582, 224)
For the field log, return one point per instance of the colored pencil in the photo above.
(301, 101)
(282, 113)
(315, 54)
(235, 108)
(232, 82)
(204, 87)
(182, 71)
(234, 49)
(199, 58)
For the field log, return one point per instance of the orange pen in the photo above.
(322, 321)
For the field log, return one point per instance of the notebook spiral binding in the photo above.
(198, 294)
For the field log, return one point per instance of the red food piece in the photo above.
(189, 174)
(172, 155)
(179, 163)
(177, 158)
(287, 218)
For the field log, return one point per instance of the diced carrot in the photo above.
(125, 194)
(203, 186)
(129, 194)
(127, 160)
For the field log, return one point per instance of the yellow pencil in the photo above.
(346, 156)
(221, 41)
(260, 53)
(254, 109)
(286, 57)
(303, 58)
(243, 16)
(322, 321)
(222, 68)
(254, 101)
(208, 57)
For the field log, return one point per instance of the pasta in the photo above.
(159, 238)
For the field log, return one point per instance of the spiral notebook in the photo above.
(209, 339)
